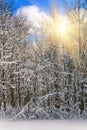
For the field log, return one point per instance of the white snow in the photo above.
(43, 125)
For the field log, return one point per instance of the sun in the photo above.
(62, 31)
(62, 27)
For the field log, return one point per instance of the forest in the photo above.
(43, 69)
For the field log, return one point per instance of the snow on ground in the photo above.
(43, 125)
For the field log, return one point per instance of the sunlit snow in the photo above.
(43, 125)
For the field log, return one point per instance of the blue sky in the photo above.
(44, 5)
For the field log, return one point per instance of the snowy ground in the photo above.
(43, 125)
